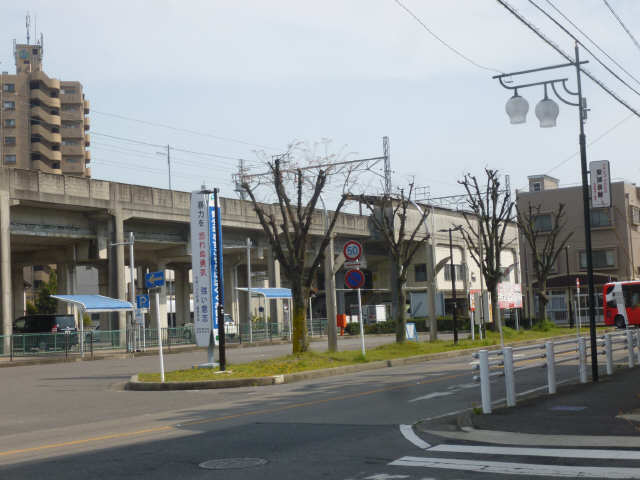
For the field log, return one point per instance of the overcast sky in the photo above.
(267, 73)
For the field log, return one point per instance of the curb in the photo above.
(135, 384)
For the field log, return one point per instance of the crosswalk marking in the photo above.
(540, 452)
(408, 433)
(510, 468)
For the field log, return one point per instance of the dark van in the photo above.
(45, 332)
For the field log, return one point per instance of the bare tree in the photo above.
(490, 212)
(546, 242)
(389, 215)
(287, 225)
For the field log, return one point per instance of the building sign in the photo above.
(207, 294)
(509, 295)
(600, 184)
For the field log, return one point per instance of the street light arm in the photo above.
(555, 90)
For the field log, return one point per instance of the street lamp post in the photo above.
(566, 257)
(453, 284)
(547, 111)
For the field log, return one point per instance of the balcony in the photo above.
(72, 150)
(46, 167)
(71, 98)
(72, 132)
(86, 107)
(72, 114)
(51, 83)
(46, 152)
(87, 156)
(87, 140)
(45, 99)
(44, 116)
(74, 167)
(47, 135)
(87, 123)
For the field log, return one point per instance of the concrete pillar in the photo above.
(117, 284)
(103, 289)
(19, 304)
(6, 297)
(65, 282)
(273, 271)
(182, 295)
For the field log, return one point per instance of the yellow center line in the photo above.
(165, 428)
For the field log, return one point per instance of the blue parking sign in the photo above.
(142, 301)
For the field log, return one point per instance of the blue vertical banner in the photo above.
(217, 290)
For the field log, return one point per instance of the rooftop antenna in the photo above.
(35, 27)
(28, 24)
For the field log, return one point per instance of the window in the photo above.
(458, 269)
(537, 187)
(34, 51)
(542, 223)
(38, 284)
(420, 270)
(69, 90)
(71, 159)
(10, 159)
(9, 105)
(70, 124)
(9, 87)
(69, 107)
(600, 218)
(601, 259)
(38, 268)
(55, 165)
(70, 142)
(635, 215)
(9, 140)
(9, 122)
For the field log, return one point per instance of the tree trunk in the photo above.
(495, 311)
(401, 320)
(299, 339)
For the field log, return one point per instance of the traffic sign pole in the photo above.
(156, 307)
(361, 323)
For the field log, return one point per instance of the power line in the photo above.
(453, 49)
(613, 12)
(561, 27)
(186, 130)
(599, 137)
(592, 41)
(537, 31)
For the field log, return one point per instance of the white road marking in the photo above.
(509, 468)
(531, 439)
(432, 395)
(464, 386)
(540, 452)
(448, 414)
(385, 476)
(408, 433)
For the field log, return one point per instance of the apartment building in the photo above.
(615, 236)
(43, 120)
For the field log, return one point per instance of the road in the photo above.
(74, 421)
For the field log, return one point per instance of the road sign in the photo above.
(139, 317)
(154, 279)
(354, 279)
(352, 264)
(352, 250)
(142, 301)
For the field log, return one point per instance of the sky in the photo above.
(251, 77)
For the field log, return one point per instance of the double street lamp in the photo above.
(547, 111)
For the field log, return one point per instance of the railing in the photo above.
(503, 363)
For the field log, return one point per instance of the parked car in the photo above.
(45, 332)
(230, 328)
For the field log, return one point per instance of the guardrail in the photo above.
(503, 362)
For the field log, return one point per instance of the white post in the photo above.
(249, 290)
(582, 360)
(630, 349)
(156, 299)
(608, 344)
(509, 381)
(132, 288)
(485, 385)
(290, 322)
(310, 316)
(473, 327)
(551, 367)
(361, 323)
(81, 313)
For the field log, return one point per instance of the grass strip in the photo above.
(320, 360)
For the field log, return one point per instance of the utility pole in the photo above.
(239, 178)
(169, 164)
(566, 257)
(249, 319)
(387, 165)
(132, 285)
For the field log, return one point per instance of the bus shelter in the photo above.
(94, 304)
(271, 294)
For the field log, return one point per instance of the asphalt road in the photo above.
(73, 421)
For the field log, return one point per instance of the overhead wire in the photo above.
(549, 42)
(595, 44)
(444, 43)
(613, 12)
(564, 29)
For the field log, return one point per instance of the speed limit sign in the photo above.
(352, 250)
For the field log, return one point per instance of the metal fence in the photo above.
(508, 361)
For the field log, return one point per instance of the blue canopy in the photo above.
(96, 303)
(270, 293)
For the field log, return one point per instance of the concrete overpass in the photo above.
(66, 220)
